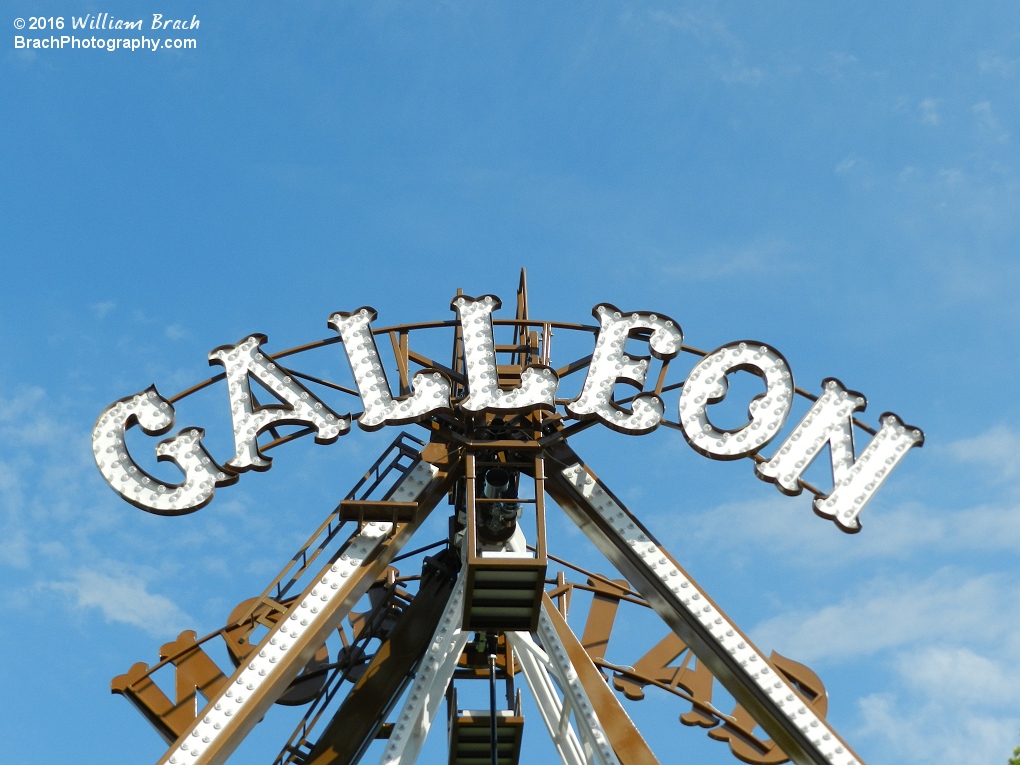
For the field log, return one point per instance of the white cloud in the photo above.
(988, 123)
(709, 29)
(740, 74)
(753, 258)
(840, 59)
(794, 534)
(123, 599)
(174, 332)
(791, 532)
(941, 732)
(929, 108)
(998, 448)
(14, 549)
(27, 468)
(888, 614)
(55, 512)
(857, 171)
(102, 309)
(960, 673)
(847, 164)
(705, 26)
(14, 408)
(994, 64)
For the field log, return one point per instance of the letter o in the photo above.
(707, 384)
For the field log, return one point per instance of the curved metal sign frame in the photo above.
(506, 399)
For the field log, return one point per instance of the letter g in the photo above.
(155, 415)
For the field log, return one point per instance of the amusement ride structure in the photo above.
(376, 653)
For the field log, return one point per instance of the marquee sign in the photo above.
(830, 421)
(498, 418)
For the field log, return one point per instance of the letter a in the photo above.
(300, 407)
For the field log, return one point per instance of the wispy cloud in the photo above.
(944, 628)
(857, 171)
(14, 549)
(988, 123)
(754, 258)
(997, 448)
(724, 49)
(788, 527)
(123, 598)
(961, 673)
(741, 74)
(53, 511)
(703, 25)
(848, 163)
(37, 444)
(992, 63)
(60, 527)
(886, 614)
(837, 62)
(938, 732)
(929, 109)
(977, 692)
(102, 309)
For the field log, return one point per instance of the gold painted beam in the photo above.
(624, 737)
(260, 681)
(363, 711)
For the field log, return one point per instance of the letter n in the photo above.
(855, 481)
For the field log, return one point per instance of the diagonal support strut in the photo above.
(253, 688)
(728, 653)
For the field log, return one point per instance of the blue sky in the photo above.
(842, 183)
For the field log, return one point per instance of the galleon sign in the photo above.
(433, 391)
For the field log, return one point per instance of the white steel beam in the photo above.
(430, 682)
(730, 655)
(573, 691)
(257, 684)
(535, 665)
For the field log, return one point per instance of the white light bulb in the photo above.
(611, 364)
(707, 384)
